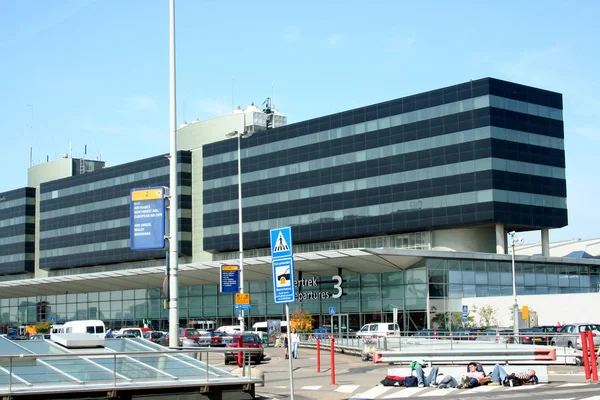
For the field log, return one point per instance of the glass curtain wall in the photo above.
(366, 297)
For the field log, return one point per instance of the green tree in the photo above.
(302, 320)
(43, 327)
(487, 315)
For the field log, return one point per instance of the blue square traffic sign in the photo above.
(281, 242)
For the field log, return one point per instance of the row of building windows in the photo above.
(96, 247)
(459, 199)
(16, 239)
(98, 226)
(5, 204)
(110, 182)
(388, 122)
(386, 151)
(422, 174)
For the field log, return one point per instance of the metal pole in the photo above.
(515, 304)
(289, 326)
(173, 225)
(240, 221)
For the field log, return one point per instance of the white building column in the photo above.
(546, 242)
(500, 239)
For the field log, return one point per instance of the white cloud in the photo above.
(334, 39)
(291, 34)
(139, 102)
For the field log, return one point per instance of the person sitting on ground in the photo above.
(474, 377)
(499, 373)
(429, 380)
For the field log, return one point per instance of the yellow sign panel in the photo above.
(242, 298)
(525, 312)
(147, 194)
(229, 267)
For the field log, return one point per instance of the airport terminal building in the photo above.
(399, 205)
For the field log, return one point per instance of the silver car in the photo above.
(570, 335)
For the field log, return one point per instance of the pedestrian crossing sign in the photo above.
(281, 242)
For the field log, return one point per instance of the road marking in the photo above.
(347, 388)
(572, 385)
(438, 393)
(372, 393)
(592, 398)
(404, 393)
(311, 387)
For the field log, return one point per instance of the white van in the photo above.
(91, 326)
(378, 329)
(230, 329)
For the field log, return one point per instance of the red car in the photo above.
(248, 340)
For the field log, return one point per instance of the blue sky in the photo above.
(96, 73)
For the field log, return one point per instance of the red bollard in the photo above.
(318, 355)
(240, 357)
(332, 361)
(585, 355)
(592, 353)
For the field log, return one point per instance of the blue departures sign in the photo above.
(230, 282)
(147, 218)
(282, 257)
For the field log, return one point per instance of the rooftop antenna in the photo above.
(30, 154)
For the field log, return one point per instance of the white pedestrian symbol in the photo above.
(281, 244)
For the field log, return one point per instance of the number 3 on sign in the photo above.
(337, 286)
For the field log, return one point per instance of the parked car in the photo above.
(212, 339)
(498, 335)
(540, 335)
(466, 334)
(248, 340)
(40, 336)
(153, 336)
(164, 341)
(570, 335)
(433, 333)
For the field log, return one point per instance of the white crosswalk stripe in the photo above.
(404, 393)
(592, 398)
(572, 385)
(347, 388)
(440, 392)
(372, 393)
(311, 387)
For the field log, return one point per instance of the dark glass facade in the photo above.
(84, 220)
(482, 152)
(17, 231)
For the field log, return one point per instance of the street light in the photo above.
(514, 241)
(244, 134)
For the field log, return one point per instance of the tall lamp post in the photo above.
(244, 134)
(514, 240)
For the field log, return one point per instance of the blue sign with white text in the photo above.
(331, 310)
(147, 218)
(230, 282)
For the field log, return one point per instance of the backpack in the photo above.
(411, 381)
(511, 380)
(393, 381)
